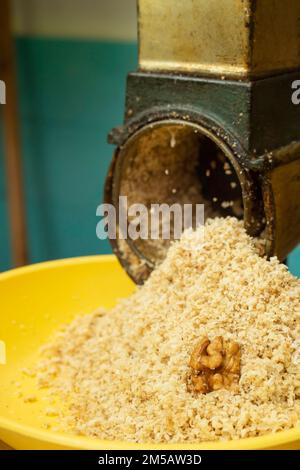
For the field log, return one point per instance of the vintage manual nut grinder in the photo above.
(209, 119)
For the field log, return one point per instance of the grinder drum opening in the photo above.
(176, 163)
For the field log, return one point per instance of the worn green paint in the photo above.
(71, 94)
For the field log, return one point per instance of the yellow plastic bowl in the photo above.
(34, 302)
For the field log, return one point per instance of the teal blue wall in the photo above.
(71, 94)
(294, 262)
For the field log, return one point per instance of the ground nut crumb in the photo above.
(123, 373)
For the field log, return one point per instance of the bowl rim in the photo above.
(57, 263)
(266, 441)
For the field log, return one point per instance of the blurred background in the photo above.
(72, 57)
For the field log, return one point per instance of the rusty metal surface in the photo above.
(128, 177)
(137, 270)
(239, 38)
(281, 191)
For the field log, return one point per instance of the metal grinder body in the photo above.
(222, 70)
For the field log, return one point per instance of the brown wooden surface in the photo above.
(12, 140)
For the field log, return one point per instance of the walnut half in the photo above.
(214, 365)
